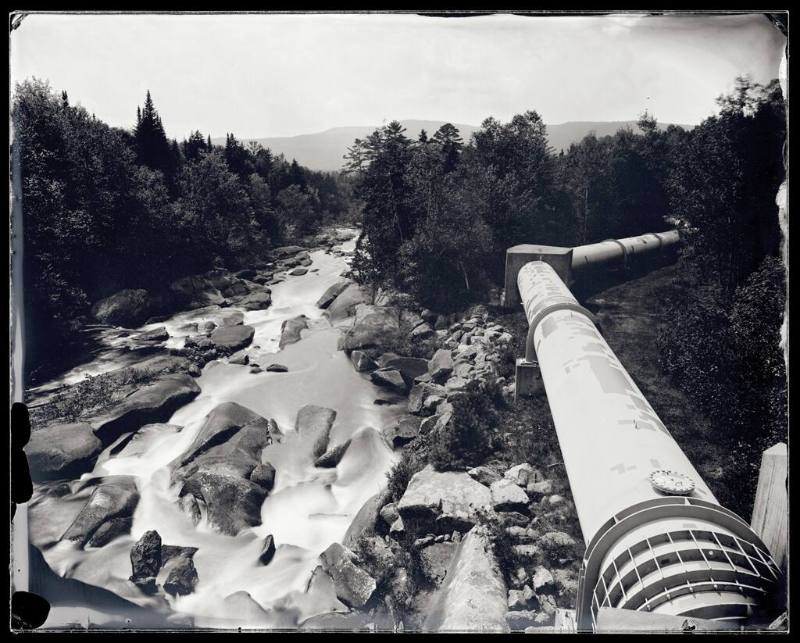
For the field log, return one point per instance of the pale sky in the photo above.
(282, 75)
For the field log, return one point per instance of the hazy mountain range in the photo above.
(324, 150)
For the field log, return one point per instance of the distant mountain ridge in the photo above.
(325, 150)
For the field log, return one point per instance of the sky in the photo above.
(263, 75)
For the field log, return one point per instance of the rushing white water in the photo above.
(308, 509)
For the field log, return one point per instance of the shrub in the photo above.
(94, 394)
(465, 441)
(401, 473)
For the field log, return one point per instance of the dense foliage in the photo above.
(722, 343)
(106, 209)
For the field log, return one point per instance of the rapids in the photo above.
(308, 509)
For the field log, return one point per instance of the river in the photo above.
(308, 509)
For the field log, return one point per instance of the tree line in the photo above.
(439, 214)
(105, 208)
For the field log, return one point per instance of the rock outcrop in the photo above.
(154, 402)
(353, 585)
(129, 307)
(473, 596)
(107, 514)
(332, 293)
(439, 502)
(291, 330)
(62, 451)
(215, 471)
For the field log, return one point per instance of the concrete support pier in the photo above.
(771, 508)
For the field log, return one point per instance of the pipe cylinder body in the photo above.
(596, 253)
(645, 550)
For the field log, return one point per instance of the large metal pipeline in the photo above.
(604, 251)
(648, 549)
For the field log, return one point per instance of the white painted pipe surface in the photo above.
(645, 550)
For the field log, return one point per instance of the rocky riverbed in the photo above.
(228, 467)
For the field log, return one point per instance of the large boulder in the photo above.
(182, 578)
(195, 291)
(389, 378)
(62, 451)
(146, 556)
(159, 334)
(439, 502)
(255, 301)
(264, 475)
(220, 425)
(354, 586)
(229, 339)
(216, 471)
(154, 402)
(332, 456)
(314, 423)
(291, 330)
(406, 430)
(286, 251)
(409, 367)
(434, 561)
(420, 393)
(344, 305)
(115, 499)
(332, 293)
(372, 327)
(366, 519)
(362, 361)
(507, 496)
(129, 307)
(441, 365)
(473, 596)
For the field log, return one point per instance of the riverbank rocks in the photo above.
(440, 502)
(521, 474)
(107, 514)
(441, 365)
(558, 545)
(229, 339)
(406, 430)
(286, 251)
(354, 586)
(366, 520)
(362, 362)
(62, 451)
(507, 496)
(409, 367)
(240, 358)
(291, 330)
(373, 327)
(277, 368)
(215, 471)
(129, 307)
(344, 305)
(422, 331)
(332, 293)
(473, 595)
(195, 291)
(315, 422)
(485, 475)
(434, 561)
(255, 301)
(154, 402)
(389, 378)
(420, 394)
(298, 272)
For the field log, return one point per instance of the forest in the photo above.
(105, 209)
